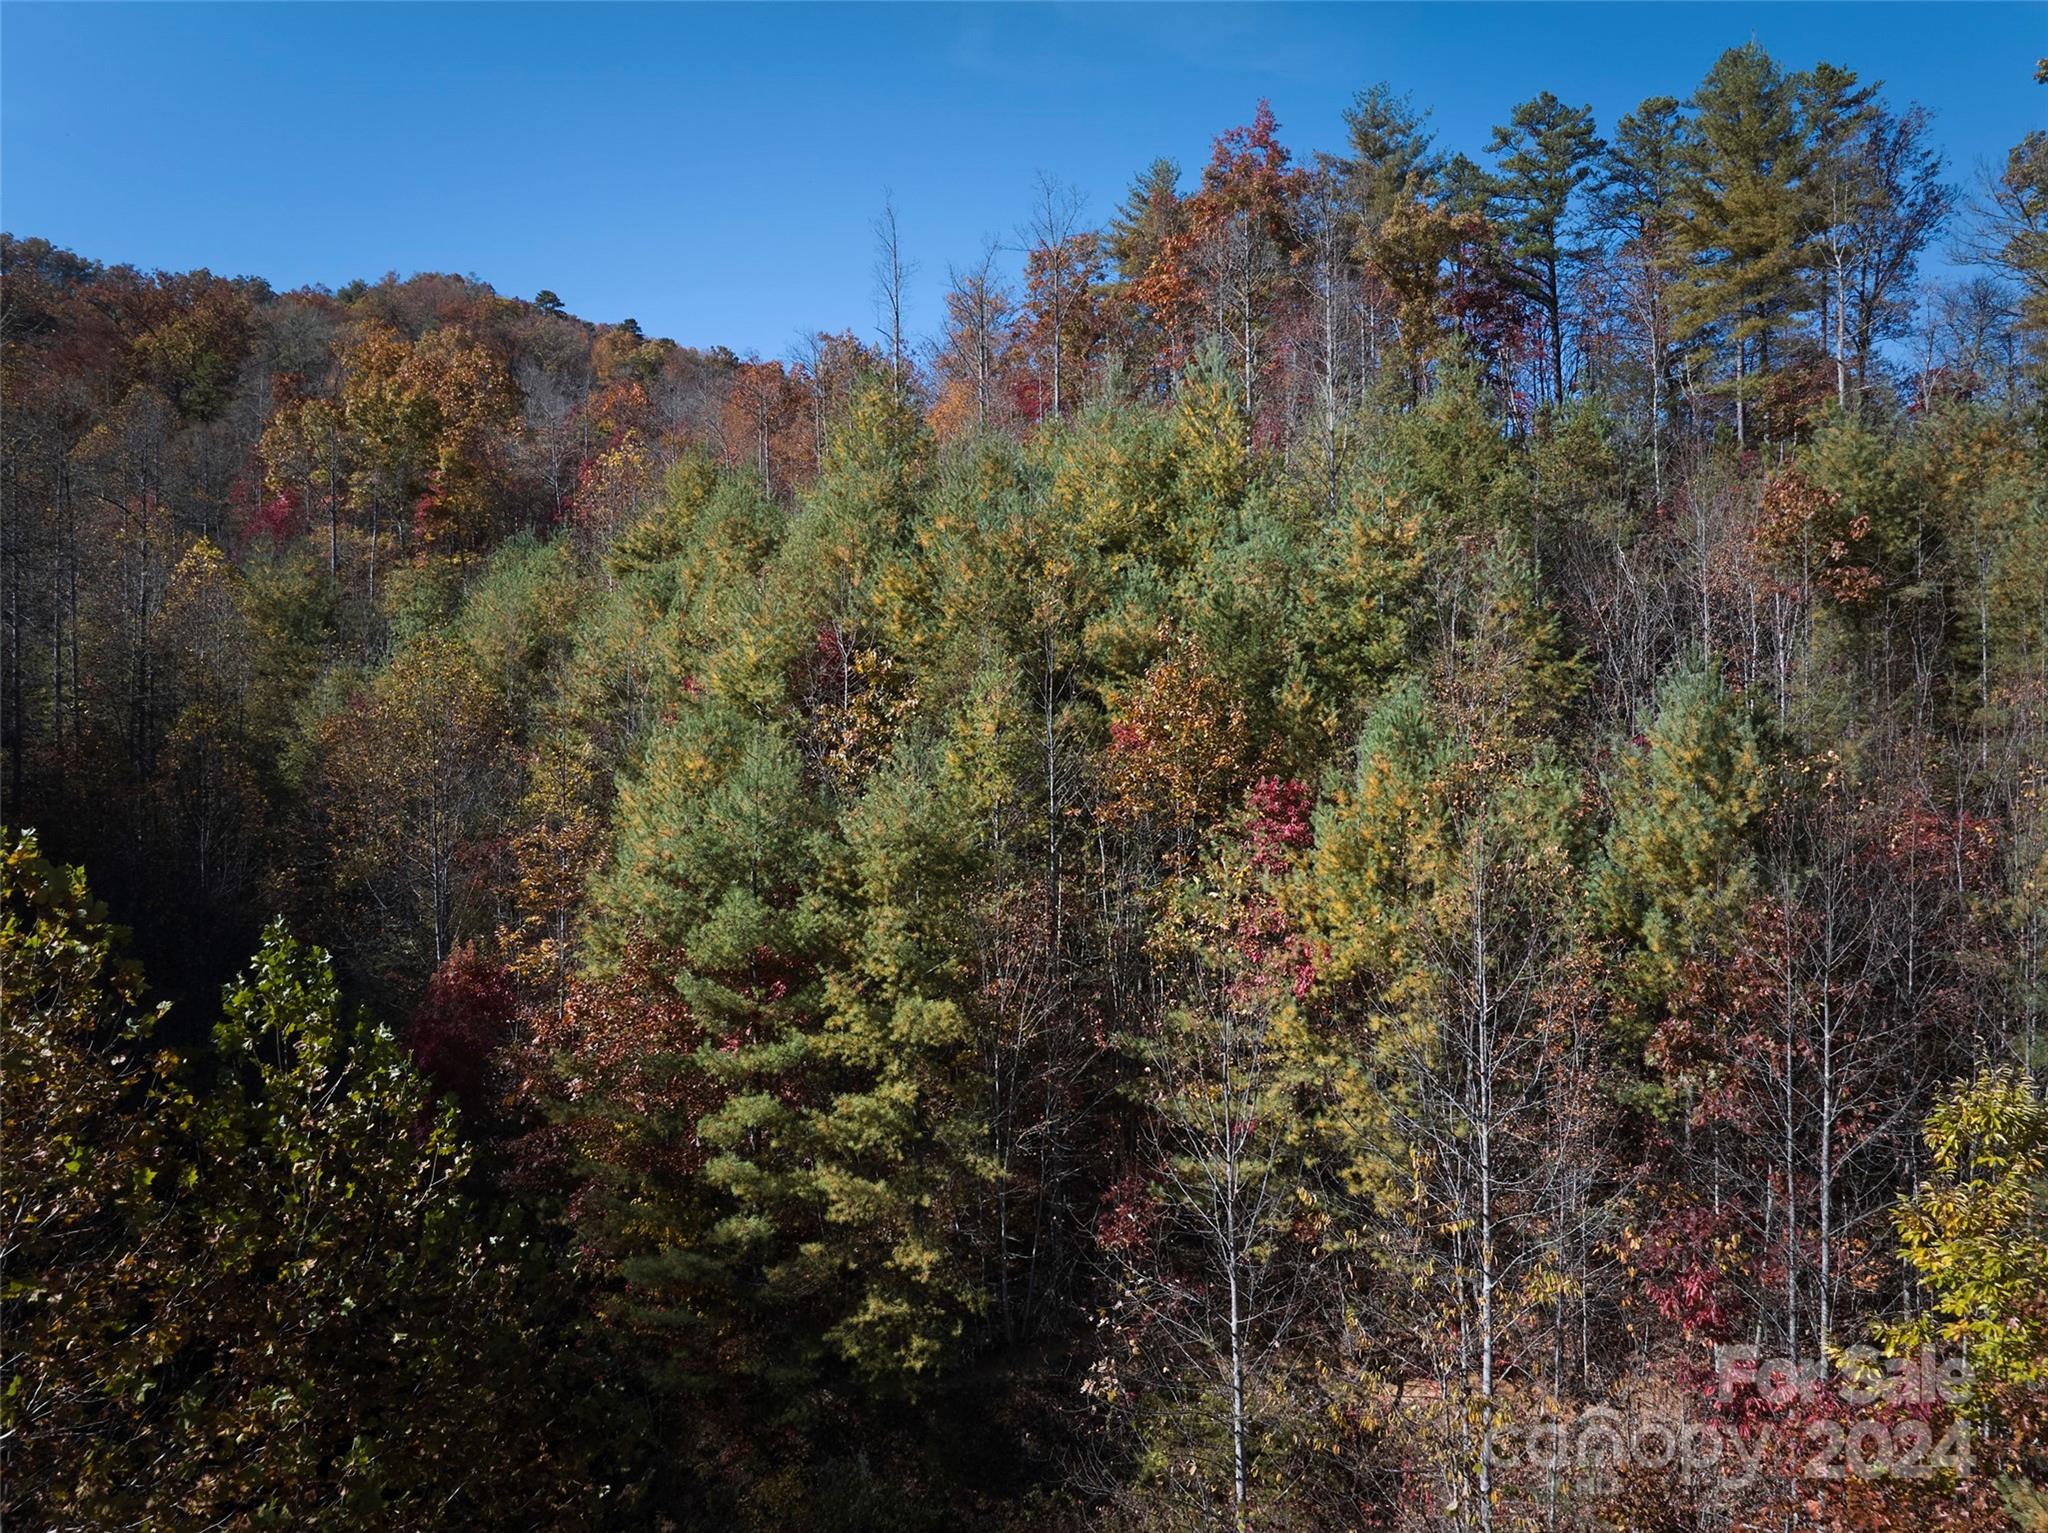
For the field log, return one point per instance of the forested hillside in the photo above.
(1395, 809)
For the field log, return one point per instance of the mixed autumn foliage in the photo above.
(1393, 801)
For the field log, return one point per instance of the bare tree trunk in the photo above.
(1055, 218)
(892, 275)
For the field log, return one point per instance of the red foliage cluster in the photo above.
(1279, 825)
(462, 1021)
(273, 518)
(1683, 1260)
(1277, 957)
(1128, 1222)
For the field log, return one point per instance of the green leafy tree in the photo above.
(1975, 1233)
(263, 1303)
(91, 1264)
(408, 768)
(366, 1356)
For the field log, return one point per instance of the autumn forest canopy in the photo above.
(1389, 805)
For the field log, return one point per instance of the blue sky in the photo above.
(713, 171)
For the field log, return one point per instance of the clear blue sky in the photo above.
(713, 171)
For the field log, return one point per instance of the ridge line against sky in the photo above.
(713, 171)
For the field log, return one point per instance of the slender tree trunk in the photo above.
(1556, 307)
(1237, 1415)
(1790, 1148)
(1483, 1071)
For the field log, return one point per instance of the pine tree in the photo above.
(1545, 154)
(1149, 216)
(894, 1157)
(1745, 156)
(1388, 156)
(1679, 863)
